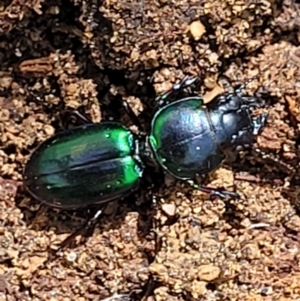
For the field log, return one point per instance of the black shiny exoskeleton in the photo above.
(189, 138)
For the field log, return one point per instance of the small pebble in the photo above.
(72, 257)
(169, 209)
(197, 30)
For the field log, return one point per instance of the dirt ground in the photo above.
(166, 242)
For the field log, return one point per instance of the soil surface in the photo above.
(166, 241)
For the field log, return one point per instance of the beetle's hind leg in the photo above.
(216, 192)
(133, 117)
(87, 226)
(75, 113)
(53, 254)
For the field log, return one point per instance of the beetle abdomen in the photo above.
(88, 165)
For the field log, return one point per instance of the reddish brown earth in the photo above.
(57, 55)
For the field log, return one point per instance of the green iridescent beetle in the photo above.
(88, 165)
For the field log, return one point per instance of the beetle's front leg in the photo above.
(259, 123)
(172, 94)
(245, 136)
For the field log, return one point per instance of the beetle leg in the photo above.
(288, 167)
(133, 117)
(172, 94)
(90, 223)
(53, 254)
(225, 81)
(245, 136)
(222, 193)
(253, 101)
(84, 119)
(259, 123)
(239, 89)
(218, 192)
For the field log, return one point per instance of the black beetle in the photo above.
(99, 163)
(189, 138)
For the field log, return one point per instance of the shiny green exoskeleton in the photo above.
(88, 165)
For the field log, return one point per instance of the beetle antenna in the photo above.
(201, 69)
(248, 81)
(272, 157)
